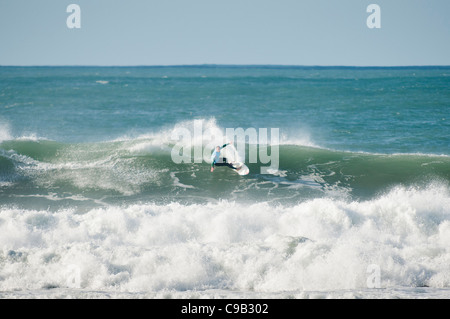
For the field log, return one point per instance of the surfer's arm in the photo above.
(225, 145)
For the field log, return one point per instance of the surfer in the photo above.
(217, 161)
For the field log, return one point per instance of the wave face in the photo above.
(142, 169)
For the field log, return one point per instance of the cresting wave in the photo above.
(142, 169)
(321, 244)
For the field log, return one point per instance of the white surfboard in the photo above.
(234, 159)
(241, 168)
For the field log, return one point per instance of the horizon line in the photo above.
(227, 65)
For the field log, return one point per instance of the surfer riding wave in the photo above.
(216, 160)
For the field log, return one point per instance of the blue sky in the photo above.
(174, 32)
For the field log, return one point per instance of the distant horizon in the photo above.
(228, 65)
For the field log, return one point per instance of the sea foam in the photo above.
(317, 245)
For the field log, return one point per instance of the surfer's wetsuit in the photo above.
(215, 159)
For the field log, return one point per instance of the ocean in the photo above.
(106, 189)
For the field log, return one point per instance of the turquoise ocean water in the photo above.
(88, 181)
